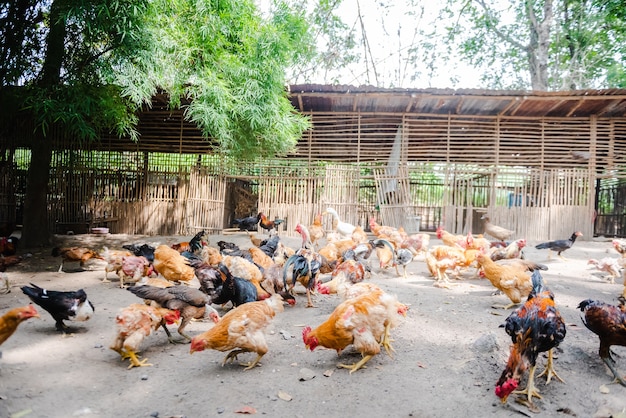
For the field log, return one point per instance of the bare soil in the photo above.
(449, 353)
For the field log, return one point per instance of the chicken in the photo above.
(136, 322)
(194, 245)
(363, 321)
(240, 267)
(513, 281)
(349, 271)
(400, 257)
(620, 246)
(607, 265)
(133, 269)
(441, 258)
(190, 302)
(113, 259)
(10, 260)
(234, 289)
(382, 231)
(451, 239)
(385, 253)
(170, 264)
(359, 236)
(316, 230)
(535, 327)
(513, 250)
(241, 330)
(259, 258)
(559, 245)
(303, 267)
(73, 254)
(13, 318)
(256, 241)
(8, 245)
(416, 243)
(345, 229)
(248, 223)
(496, 231)
(62, 305)
(608, 322)
(267, 224)
(143, 250)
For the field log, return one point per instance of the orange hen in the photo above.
(13, 318)
(241, 330)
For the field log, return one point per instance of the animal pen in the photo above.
(542, 164)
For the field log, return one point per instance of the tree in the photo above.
(72, 69)
(541, 44)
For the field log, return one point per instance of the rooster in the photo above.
(268, 225)
(559, 245)
(608, 322)
(535, 327)
(73, 254)
(302, 267)
(248, 223)
(234, 289)
(13, 318)
(241, 330)
(363, 321)
(62, 305)
(194, 245)
(136, 322)
(8, 245)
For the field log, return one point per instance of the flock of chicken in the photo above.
(259, 280)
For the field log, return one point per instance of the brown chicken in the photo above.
(194, 245)
(363, 321)
(136, 322)
(316, 230)
(535, 327)
(440, 259)
(8, 245)
(75, 254)
(170, 264)
(13, 318)
(267, 224)
(349, 271)
(241, 330)
(190, 302)
(620, 246)
(608, 322)
(513, 281)
(9, 260)
(513, 250)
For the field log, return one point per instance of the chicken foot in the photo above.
(232, 356)
(531, 390)
(134, 361)
(356, 366)
(611, 363)
(309, 301)
(549, 370)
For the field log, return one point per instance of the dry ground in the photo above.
(450, 351)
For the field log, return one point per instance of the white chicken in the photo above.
(345, 229)
(608, 265)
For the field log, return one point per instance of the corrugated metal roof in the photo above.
(472, 102)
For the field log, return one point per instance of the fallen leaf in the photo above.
(284, 396)
(604, 389)
(329, 373)
(420, 365)
(246, 410)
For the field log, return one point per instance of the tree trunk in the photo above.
(36, 229)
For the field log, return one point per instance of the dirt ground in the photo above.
(450, 351)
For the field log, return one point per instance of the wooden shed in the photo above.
(539, 163)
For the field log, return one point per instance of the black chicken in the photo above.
(305, 267)
(144, 250)
(190, 302)
(71, 305)
(234, 289)
(608, 322)
(535, 327)
(248, 223)
(559, 245)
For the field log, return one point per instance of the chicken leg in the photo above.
(611, 363)
(531, 390)
(356, 366)
(134, 361)
(385, 341)
(549, 370)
